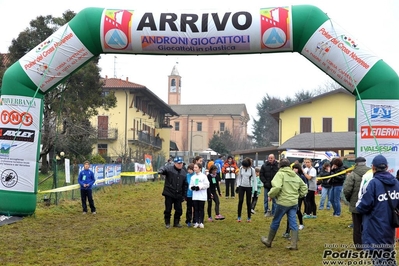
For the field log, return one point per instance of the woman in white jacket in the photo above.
(199, 184)
(246, 184)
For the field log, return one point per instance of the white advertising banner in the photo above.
(19, 131)
(194, 32)
(383, 135)
(55, 58)
(339, 55)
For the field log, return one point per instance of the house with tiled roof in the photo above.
(197, 123)
(138, 125)
(324, 122)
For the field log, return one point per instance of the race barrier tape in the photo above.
(340, 173)
(76, 186)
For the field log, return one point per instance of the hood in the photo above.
(386, 178)
(287, 171)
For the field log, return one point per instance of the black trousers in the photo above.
(247, 191)
(169, 203)
(189, 211)
(199, 211)
(310, 203)
(230, 183)
(357, 229)
(217, 204)
(87, 194)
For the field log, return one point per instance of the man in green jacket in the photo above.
(351, 191)
(287, 187)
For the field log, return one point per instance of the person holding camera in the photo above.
(199, 184)
(246, 183)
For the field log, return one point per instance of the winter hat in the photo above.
(360, 160)
(379, 161)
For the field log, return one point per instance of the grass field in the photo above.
(129, 230)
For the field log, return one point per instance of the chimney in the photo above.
(127, 79)
(106, 76)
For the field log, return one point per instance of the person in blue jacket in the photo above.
(378, 234)
(86, 180)
(189, 196)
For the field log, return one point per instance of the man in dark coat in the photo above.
(267, 172)
(175, 188)
(351, 192)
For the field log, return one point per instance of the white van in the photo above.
(315, 156)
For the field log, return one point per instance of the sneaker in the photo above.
(219, 217)
(306, 216)
(210, 219)
(286, 235)
(313, 216)
(248, 220)
(94, 213)
(201, 225)
(350, 226)
(239, 219)
(84, 212)
(167, 226)
(195, 225)
(227, 197)
(232, 197)
(268, 214)
(252, 211)
(188, 224)
(336, 215)
(301, 226)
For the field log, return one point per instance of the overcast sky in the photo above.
(225, 78)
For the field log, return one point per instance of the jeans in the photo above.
(291, 216)
(325, 194)
(266, 201)
(335, 199)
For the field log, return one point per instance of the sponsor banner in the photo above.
(203, 32)
(105, 174)
(148, 162)
(378, 131)
(19, 130)
(55, 58)
(339, 55)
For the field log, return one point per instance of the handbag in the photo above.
(395, 211)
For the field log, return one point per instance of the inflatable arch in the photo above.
(304, 29)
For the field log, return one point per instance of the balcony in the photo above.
(107, 134)
(143, 138)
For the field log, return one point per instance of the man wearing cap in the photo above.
(175, 188)
(351, 191)
(378, 234)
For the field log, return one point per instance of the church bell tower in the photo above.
(174, 87)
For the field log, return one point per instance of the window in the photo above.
(351, 124)
(102, 149)
(102, 122)
(177, 126)
(305, 125)
(327, 124)
(199, 126)
(221, 126)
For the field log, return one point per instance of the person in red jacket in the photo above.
(229, 170)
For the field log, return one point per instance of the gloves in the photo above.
(255, 194)
(193, 188)
(237, 189)
(197, 188)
